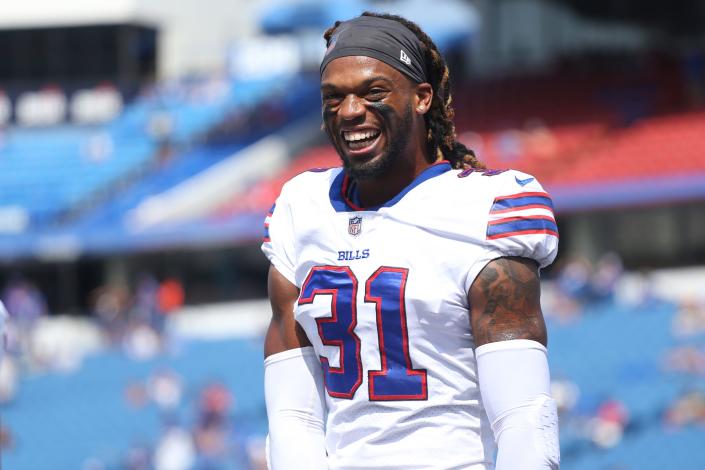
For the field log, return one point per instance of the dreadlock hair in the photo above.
(441, 137)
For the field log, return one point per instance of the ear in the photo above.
(422, 98)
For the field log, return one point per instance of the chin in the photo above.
(375, 167)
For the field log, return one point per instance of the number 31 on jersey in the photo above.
(397, 379)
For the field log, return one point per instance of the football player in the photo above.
(406, 330)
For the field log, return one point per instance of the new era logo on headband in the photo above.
(404, 58)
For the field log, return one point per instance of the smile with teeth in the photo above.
(357, 140)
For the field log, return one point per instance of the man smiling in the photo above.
(406, 331)
(370, 146)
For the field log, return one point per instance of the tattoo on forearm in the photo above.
(504, 302)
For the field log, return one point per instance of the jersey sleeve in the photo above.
(519, 222)
(278, 238)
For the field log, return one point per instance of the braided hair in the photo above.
(441, 138)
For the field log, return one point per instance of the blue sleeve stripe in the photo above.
(521, 226)
(501, 204)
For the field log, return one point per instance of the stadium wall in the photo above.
(185, 45)
(518, 36)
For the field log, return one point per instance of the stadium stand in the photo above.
(180, 167)
(50, 171)
(617, 382)
(155, 145)
(36, 167)
(660, 145)
(188, 168)
(85, 416)
(627, 374)
(564, 157)
(231, 134)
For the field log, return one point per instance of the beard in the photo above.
(396, 139)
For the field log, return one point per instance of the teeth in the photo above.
(353, 136)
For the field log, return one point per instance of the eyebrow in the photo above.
(366, 82)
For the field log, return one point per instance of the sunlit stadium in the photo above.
(143, 142)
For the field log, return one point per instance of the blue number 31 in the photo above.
(397, 379)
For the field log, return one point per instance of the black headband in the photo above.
(382, 39)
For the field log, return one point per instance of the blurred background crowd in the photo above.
(142, 143)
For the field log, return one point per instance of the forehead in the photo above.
(353, 70)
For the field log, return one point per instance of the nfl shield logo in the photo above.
(355, 226)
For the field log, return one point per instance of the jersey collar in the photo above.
(344, 196)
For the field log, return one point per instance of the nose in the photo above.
(352, 108)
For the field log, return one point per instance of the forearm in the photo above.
(295, 410)
(515, 388)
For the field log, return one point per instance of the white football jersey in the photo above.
(384, 302)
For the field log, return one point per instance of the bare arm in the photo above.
(283, 333)
(505, 302)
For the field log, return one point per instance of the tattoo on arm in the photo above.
(505, 302)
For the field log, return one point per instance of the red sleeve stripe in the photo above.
(523, 232)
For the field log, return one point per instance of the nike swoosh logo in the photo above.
(523, 182)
